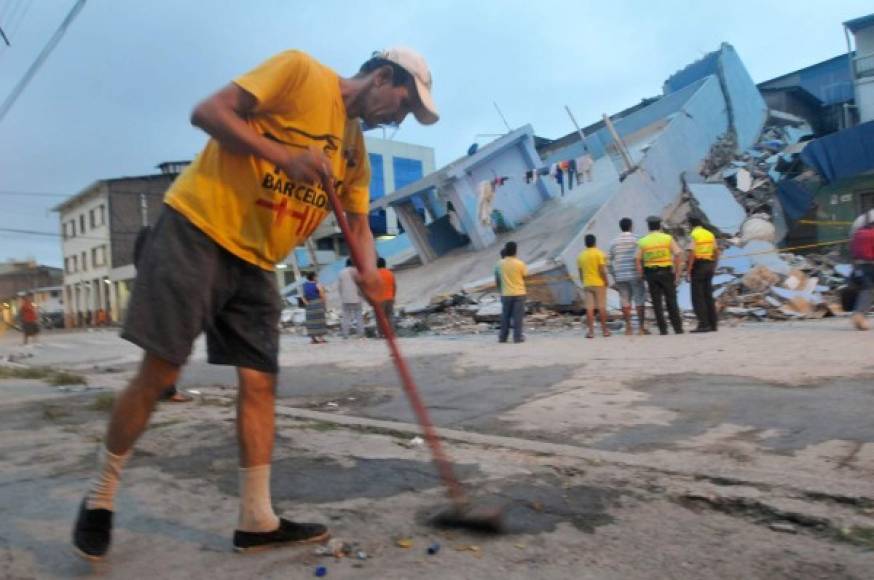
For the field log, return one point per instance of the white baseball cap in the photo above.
(414, 63)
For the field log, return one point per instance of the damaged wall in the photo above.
(516, 200)
(746, 108)
(679, 148)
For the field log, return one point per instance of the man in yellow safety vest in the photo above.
(659, 260)
(702, 257)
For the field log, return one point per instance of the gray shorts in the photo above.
(187, 284)
(631, 291)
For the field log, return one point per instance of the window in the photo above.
(72, 228)
(64, 231)
(84, 262)
(409, 171)
(75, 261)
(67, 269)
(101, 215)
(82, 223)
(91, 221)
(377, 190)
(98, 256)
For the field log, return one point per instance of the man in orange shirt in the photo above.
(281, 136)
(29, 318)
(389, 289)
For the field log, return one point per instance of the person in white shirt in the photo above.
(351, 297)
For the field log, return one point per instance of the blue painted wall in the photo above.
(598, 141)
(828, 81)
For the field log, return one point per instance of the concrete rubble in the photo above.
(753, 174)
(803, 287)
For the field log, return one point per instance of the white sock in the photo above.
(102, 492)
(256, 510)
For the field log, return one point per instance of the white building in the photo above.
(99, 226)
(862, 64)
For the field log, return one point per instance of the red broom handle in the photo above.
(444, 467)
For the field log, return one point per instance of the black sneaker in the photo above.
(288, 533)
(92, 532)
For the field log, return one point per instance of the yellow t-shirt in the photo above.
(703, 243)
(589, 262)
(246, 204)
(513, 272)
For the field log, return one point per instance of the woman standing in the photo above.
(314, 299)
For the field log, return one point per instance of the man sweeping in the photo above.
(281, 136)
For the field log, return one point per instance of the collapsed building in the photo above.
(638, 164)
(708, 146)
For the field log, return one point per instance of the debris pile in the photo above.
(809, 289)
(752, 175)
(464, 313)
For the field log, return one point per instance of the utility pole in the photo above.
(620, 145)
(40, 59)
(580, 131)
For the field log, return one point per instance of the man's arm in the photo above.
(223, 116)
(638, 261)
(368, 279)
(678, 260)
(690, 261)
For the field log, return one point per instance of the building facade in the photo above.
(19, 278)
(99, 226)
(862, 68)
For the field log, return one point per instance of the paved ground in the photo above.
(748, 453)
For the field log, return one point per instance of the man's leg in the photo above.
(130, 416)
(641, 319)
(656, 291)
(698, 301)
(518, 318)
(864, 298)
(358, 318)
(389, 306)
(134, 406)
(255, 433)
(709, 300)
(344, 321)
(670, 290)
(505, 318)
(590, 312)
(625, 291)
(602, 309)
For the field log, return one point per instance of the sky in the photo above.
(114, 97)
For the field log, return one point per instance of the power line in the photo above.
(13, 29)
(58, 235)
(11, 192)
(40, 59)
